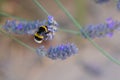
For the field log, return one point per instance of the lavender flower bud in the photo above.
(52, 28)
(49, 36)
(62, 51)
(101, 30)
(51, 21)
(41, 51)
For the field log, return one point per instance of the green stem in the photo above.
(68, 14)
(11, 16)
(105, 53)
(91, 41)
(20, 42)
(40, 6)
(70, 31)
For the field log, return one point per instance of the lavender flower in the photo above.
(62, 51)
(101, 30)
(22, 27)
(101, 1)
(51, 21)
(30, 27)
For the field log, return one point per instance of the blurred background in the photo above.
(19, 63)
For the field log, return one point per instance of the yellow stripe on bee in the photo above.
(39, 36)
(45, 28)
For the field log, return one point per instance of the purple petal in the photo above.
(110, 22)
(19, 27)
(110, 35)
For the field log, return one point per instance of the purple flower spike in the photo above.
(62, 51)
(21, 27)
(29, 27)
(101, 30)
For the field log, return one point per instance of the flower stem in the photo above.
(68, 14)
(40, 6)
(11, 16)
(69, 31)
(20, 42)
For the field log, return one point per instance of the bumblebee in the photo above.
(40, 35)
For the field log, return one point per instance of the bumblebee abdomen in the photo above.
(38, 38)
